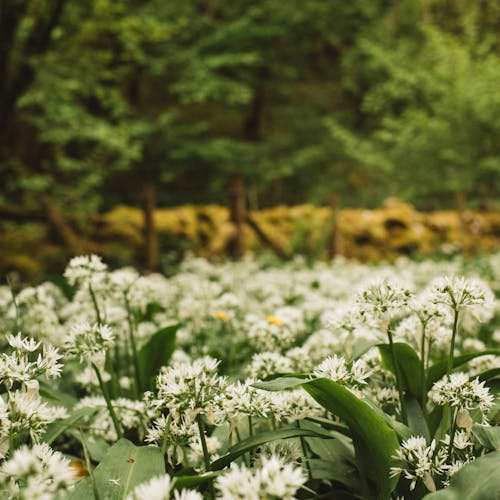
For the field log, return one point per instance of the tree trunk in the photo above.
(237, 213)
(63, 230)
(150, 232)
(265, 238)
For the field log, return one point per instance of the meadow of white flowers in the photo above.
(252, 380)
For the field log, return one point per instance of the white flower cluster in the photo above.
(419, 461)
(459, 391)
(273, 479)
(161, 488)
(37, 473)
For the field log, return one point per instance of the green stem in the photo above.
(16, 305)
(112, 413)
(422, 371)
(201, 429)
(96, 307)
(167, 429)
(452, 345)
(304, 451)
(89, 467)
(135, 358)
(398, 378)
(452, 434)
(206, 456)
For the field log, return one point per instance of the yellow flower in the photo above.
(222, 316)
(274, 320)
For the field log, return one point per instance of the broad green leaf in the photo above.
(478, 480)
(438, 370)
(409, 365)
(48, 392)
(416, 419)
(155, 353)
(488, 374)
(57, 428)
(265, 437)
(488, 436)
(123, 468)
(330, 424)
(374, 440)
(193, 481)
(280, 383)
(402, 430)
(336, 470)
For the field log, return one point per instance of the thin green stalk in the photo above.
(206, 456)
(304, 451)
(89, 467)
(201, 429)
(96, 307)
(111, 410)
(398, 378)
(164, 443)
(452, 345)
(250, 426)
(422, 371)
(452, 433)
(135, 358)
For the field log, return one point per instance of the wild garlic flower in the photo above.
(453, 468)
(336, 368)
(461, 443)
(272, 479)
(174, 434)
(460, 392)
(419, 461)
(161, 488)
(242, 400)
(85, 269)
(286, 450)
(191, 389)
(268, 363)
(36, 473)
(24, 363)
(270, 336)
(460, 293)
(292, 406)
(89, 343)
(381, 301)
(195, 454)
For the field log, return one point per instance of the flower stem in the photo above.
(398, 377)
(96, 307)
(452, 433)
(206, 456)
(422, 371)
(112, 413)
(304, 451)
(137, 371)
(452, 344)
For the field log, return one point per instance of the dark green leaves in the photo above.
(155, 354)
(374, 441)
(478, 480)
(123, 468)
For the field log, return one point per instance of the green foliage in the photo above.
(123, 468)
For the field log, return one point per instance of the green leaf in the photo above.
(336, 470)
(478, 480)
(123, 468)
(193, 481)
(488, 436)
(438, 370)
(265, 437)
(155, 353)
(409, 365)
(488, 374)
(279, 383)
(374, 441)
(416, 419)
(57, 428)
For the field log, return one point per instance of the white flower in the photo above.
(267, 363)
(36, 473)
(160, 488)
(419, 461)
(458, 391)
(273, 479)
(84, 268)
(88, 342)
(335, 368)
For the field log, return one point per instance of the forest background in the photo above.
(150, 103)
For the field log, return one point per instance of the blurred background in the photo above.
(368, 129)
